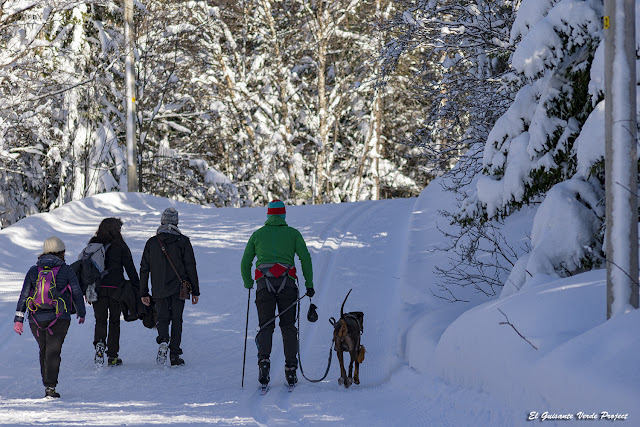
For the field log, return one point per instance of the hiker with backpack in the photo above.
(50, 294)
(116, 258)
(275, 245)
(168, 257)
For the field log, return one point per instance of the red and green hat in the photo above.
(276, 207)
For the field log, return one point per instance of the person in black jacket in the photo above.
(107, 308)
(165, 284)
(48, 327)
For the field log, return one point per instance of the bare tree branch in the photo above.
(514, 328)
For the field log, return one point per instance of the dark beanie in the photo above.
(276, 207)
(169, 216)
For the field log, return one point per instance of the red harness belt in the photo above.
(277, 270)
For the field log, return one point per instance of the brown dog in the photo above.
(346, 337)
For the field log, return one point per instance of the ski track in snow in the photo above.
(355, 246)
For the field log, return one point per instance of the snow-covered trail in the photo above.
(359, 246)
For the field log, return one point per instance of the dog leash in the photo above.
(273, 319)
(298, 338)
(300, 358)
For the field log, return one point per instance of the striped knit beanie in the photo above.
(169, 216)
(276, 207)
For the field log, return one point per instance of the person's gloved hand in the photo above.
(248, 286)
(18, 327)
(311, 292)
(80, 319)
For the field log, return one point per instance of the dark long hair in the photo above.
(108, 232)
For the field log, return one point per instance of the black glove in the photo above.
(310, 292)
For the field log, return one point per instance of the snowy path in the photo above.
(359, 246)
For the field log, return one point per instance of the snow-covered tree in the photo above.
(463, 49)
(227, 101)
(548, 147)
(56, 146)
(177, 139)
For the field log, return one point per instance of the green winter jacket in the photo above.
(276, 242)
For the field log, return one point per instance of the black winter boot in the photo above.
(114, 361)
(51, 392)
(263, 366)
(290, 375)
(176, 360)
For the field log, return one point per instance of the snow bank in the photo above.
(569, 359)
(580, 362)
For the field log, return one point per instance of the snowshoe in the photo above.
(162, 353)
(98, 359)
(263, 375)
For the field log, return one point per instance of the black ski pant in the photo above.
(50, 348)
(266, 303)
(170, 311)
(107, 310)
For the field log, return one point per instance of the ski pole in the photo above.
(246, 329)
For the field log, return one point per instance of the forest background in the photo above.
(240, 102)
(313, 101)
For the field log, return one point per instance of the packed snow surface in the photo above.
(428, 362)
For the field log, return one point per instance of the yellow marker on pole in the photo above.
(606, 22)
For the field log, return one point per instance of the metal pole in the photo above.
(621, 168)
(246, 330)
(132, 173)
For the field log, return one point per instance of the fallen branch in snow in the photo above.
(511, 281)
(514, 328)
(453, 298)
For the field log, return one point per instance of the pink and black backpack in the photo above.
(46, 296)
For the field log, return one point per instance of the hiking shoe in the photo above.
(114, 361)
(51, 392)
(263, 368)
(290, 375)
(176, 360)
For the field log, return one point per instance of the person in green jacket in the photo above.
(275, 245)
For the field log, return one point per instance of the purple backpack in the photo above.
(46, 296)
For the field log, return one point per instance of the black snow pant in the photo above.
(170, 311)
(266, 302)
(107, 310)
(50, 348)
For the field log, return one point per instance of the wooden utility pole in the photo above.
(130, 98)
(621, 165)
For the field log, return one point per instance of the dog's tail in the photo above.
(345, 300)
